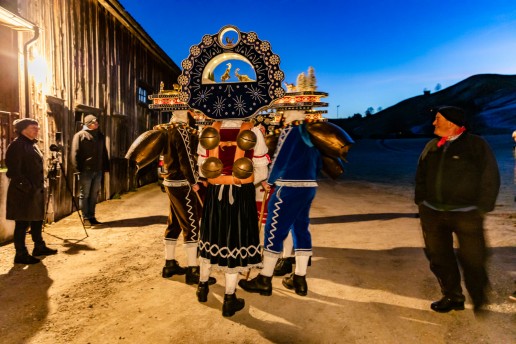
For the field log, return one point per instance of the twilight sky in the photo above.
(366, 53)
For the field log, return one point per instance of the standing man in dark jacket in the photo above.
(25, 195)
(90, 158)
(457, 182)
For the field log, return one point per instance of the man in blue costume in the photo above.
(294, 171)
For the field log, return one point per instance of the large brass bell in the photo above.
(332, 166)
(330, 139)
(212, 167)
(209, 138)
(246, 140)
(243, 168)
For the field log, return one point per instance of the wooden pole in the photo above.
(260, 219)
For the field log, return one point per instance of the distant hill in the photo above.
(489, 101)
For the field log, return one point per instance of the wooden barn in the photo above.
(63, 59)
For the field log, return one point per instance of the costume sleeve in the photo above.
(489, 179)
(260, 157)
(186, 162)
(202, 155)
(284, 152)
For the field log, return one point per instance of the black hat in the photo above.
(453, 114)
(89, 119)
(22, 123)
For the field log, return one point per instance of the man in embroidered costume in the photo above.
(294, 171)
(180, 182)
(457, 182)
(229, 239)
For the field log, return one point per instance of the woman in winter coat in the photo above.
(25, 195)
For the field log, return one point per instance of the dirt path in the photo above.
(369, 281)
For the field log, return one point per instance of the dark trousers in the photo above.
(288, 210)
(20, 231)
(183, 215)
(438, 228)
(90, 183)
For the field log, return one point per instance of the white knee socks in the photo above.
(170, 249)
(231, 282)
(301, 265)
(268, 266)
(204, 271)
(191, 254)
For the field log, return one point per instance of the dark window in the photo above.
(142, 95)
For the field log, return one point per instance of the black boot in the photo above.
(43, 251)
(193, 275)
(296, 282)
(202, 291)
(231, 305)
(172, 268)
(25, 258)
(260, 284)
(447, 304)
(283, 267)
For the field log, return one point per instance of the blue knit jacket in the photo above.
(296, 159)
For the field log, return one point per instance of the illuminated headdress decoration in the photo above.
(248, 80)
(303, 96)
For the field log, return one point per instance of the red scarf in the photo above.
(443, 139)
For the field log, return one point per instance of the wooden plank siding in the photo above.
(97, 58)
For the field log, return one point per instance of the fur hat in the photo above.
(89, 119)
(22, 123)
(453, 114)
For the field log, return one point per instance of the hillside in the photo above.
(489, 100)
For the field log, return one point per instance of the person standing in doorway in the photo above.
(25, 195)
(90, 158)
(457, 183)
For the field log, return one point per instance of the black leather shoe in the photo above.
(172, 268)
(447, 304)
(202, 291)
(296, 282)
(283, 267)
(231, 305)
(260, 284)
(25, 258)
(43, 251)
(193, 275)
(94, 221)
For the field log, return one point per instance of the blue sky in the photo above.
(366, 53)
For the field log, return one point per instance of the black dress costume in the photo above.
(229, 237)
